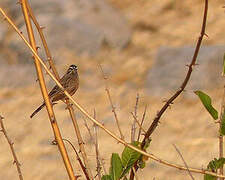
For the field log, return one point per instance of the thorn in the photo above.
(14, 162)
(187, 65)
(21, 32)
(52, 119)
(206, 35)
(78, 176)
(38, 47)
(1, 117)
(54, 142)
(42, 27)
(1, 130)
(164, 100)
(218, 121)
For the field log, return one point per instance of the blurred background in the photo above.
(143, 47)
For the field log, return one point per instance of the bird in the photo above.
(70, 82)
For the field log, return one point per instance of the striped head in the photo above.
(72, 69)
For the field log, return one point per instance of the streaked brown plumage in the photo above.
(70, 81)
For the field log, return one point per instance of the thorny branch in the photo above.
(183, 161)
(12, 148)
(182, 87)
(110, 99)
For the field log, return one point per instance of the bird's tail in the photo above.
(37, 110)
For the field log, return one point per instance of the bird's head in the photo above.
(72, 69)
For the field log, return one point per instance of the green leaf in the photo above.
(219, 163)
(206, 101)
(116, 167)
(129, 157)
(222, 128)
(213, 166)
(106, 177)
(209, 177)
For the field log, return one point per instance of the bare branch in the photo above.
(133, 128)
(183, 161)
(142, 121)
(12, 148)
(79, 138)
(135, 118)
(222, 114)
(183, 85)
(79, 159)
(110, 99)
(97, 149)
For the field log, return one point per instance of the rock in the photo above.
(170, 69)
(77, 26)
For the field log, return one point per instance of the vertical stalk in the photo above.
(51, 114)
(222, 113)
(79, 138)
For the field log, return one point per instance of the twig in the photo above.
(47, 51)
(142, 121)
(88, 129)
(12, 148)
(79, 160)
(140, 126)
(182, 87)
(183, 161)
(152, 156)
(80, 140)
(222, 114)
(135, 173)
(110, 99)
(133, 128)
(97, 149)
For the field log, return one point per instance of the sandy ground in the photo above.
(186, 123)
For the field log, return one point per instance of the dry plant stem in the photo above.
(79, 160)
(111, 103)
(201, 171)
(141, 128)
(97, 149)
(49, 57)
(47, 51)
(133, 127)
(142, 121)
(183, 161)
(57, 134)
(135, 173)
(222, 114)
(89, 130)
(79, 138)
(12, 148)
(182, 87)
